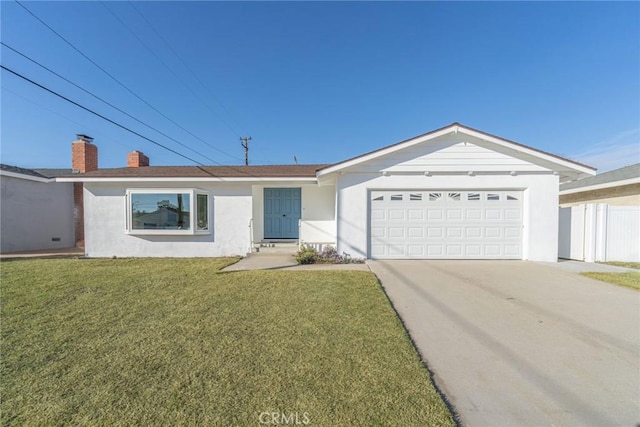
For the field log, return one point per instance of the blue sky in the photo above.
(322, 81)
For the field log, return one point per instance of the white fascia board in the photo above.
(183, 179)
(27, 177)
(385, 151)
(601, 186)
(565, 164)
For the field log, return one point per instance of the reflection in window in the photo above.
(454, 196)
(493, 196)
(512, 198)
(415, 196)
(378, 199)
(202, 207)
(473, 196)
(161, 211)
(434, 196)
(183, 211)
(395, 197)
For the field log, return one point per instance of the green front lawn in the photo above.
(627, 264)
(176, 342)
(629, 280)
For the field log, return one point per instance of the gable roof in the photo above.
(617, 177)
(199, 172)
(455, 128)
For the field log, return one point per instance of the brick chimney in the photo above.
(137, 159)
(84, 158)
(84, 155)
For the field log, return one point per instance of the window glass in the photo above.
(434, 196)
(454, 196)
(493, 196)
(415, 196)
(202, 208)
(473, 196)
(512, 198)
(395, 197)
(160, 211)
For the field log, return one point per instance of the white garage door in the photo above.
(445, 224)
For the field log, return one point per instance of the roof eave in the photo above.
(601, 186)
(26, 176)
(564, 164)
(184, 179)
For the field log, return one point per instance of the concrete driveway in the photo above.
(515, 343)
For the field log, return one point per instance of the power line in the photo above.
(195, 95)
(69, 119)
(247, 172)
(193, 74)
(116, 80)
(99, 115)
(106, 102)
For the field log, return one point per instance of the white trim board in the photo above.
(601, 186)
(25, 176)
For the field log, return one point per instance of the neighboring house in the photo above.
(619, 187)
(454, 193)
(600, 217)
(35, 211)
(163, 218)
(40, 213)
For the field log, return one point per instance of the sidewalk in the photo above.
(47, 253)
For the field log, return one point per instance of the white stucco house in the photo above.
(36, 212)
(618, 187)
(451, 193)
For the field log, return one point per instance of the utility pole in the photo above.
(245, 144)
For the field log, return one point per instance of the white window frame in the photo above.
(193, 213)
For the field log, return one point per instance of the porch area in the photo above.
(287, 217)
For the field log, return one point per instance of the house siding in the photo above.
(105, 223)
(624, 195)
(33, 213)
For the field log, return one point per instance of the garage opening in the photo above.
(445, 224)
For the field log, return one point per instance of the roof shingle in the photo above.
(263, 171)
(627, 172)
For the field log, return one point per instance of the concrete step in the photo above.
(276, 248)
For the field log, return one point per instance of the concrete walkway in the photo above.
(47, 253)
(581, 267)
(284, 261)
(516, 343)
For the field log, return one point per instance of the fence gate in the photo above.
(599, 232)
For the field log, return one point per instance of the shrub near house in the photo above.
(328, 255)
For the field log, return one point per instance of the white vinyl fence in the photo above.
(599, 232)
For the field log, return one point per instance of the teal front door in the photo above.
(281, 213)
